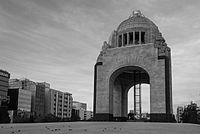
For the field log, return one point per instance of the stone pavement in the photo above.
(100, 128)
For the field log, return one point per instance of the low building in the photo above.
(88, 115)
(180, 111)
(58, 103)
(131, 111)
(81, 107)
(75, 115)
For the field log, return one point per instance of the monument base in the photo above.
(155, 117)
(103, 117)
(161, 117)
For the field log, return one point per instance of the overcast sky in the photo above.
(58, 41)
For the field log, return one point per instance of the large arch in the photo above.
(120, 83)
(117, 62)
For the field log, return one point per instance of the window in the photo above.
(131, 38)
(136, 37)
(125, 39)
(142, 37)
(120, 41)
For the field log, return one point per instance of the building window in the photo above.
(131, 38)
(143, 37)
(125, 39)
(136, 37)
(120, 41)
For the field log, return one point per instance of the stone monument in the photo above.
(136, 53)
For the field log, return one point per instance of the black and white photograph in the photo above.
(99, 67)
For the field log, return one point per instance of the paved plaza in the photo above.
(100, 128)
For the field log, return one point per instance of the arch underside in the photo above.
(120, 83)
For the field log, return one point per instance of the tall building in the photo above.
(81, 107)
(58, 103)
(40, 98)
(31, 86)
(20, 103)
(4, 78)
(26, 85)
(37, 94)
(179, 114)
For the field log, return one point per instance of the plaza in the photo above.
(100, 128)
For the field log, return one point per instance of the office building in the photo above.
(88, 115)
(37, 94)
(58, 103)
(4, 78)
(79, 105)
(40, 98)
(20, 103)
(26, 85)
(82, 107)
(179, 114)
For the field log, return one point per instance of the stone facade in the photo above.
(136, 45)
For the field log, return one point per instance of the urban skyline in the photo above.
(58, 42)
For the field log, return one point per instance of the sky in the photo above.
(58, 41)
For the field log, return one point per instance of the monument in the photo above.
(136, 53)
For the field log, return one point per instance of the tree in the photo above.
(51, 118)
(4, 116)
(190, 113)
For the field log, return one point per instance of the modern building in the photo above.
(75, 115)
(15, 83)
(25, 84)
(58, 103)
(81, 107)
(131, 111)
(88, 115)
(4, 79)
(20, 103)
(40, 98)
(37, 94)
(84, 106)
(179, 114)
(31, 86)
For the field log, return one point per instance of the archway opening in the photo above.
(133, 112)
(121, 82)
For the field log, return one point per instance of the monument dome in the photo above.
(135, 30)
